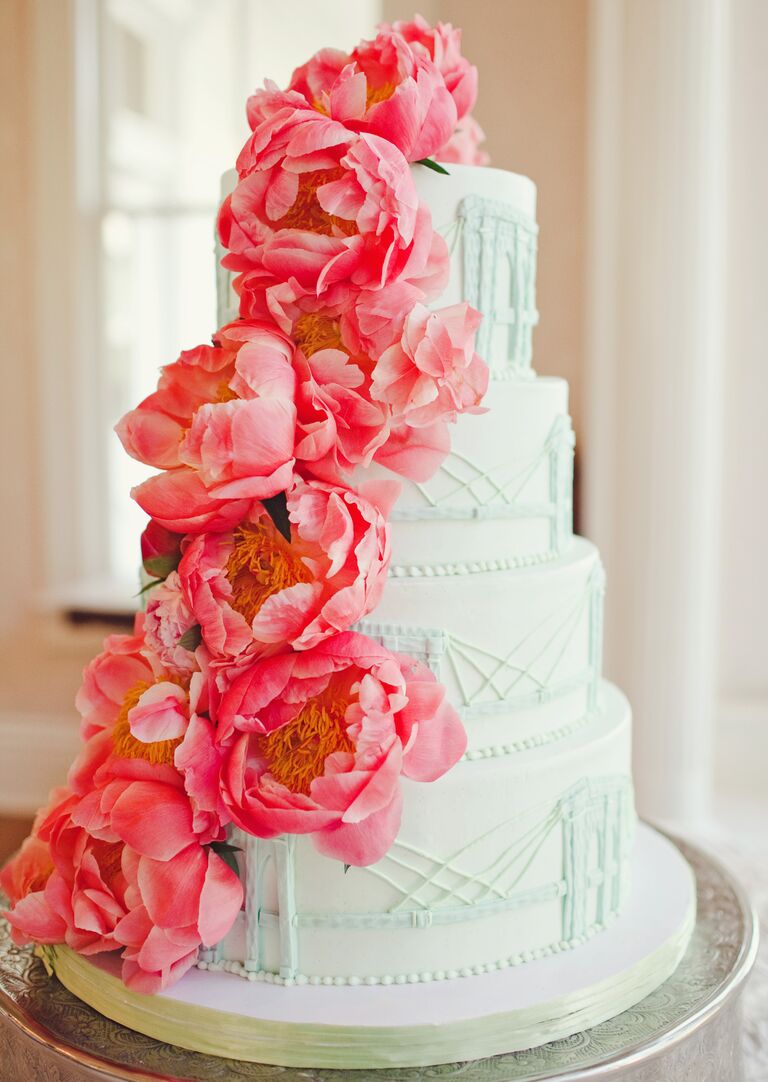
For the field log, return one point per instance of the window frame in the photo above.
(69, 205)
(69, 122)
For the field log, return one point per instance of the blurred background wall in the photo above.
(640, 122)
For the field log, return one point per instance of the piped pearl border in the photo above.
(471, 567)
(498, 751)
(423, 977)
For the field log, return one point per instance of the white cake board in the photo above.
(420, 1024)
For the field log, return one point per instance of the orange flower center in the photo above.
(315, 331)
(109, 856)
(296, 753)
(262, 563)
(224, 392)
(306, 212)
(125, 744)
(375, 94)
(35, 880)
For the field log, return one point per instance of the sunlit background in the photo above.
(643, 124)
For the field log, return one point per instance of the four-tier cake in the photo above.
(359, 743)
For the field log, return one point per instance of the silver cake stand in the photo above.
(688, 1030)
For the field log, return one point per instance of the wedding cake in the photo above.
(360, 734)
(523, 848)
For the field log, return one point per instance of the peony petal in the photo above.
(220, 901)
(365, 842)
(439, 742)
(160, 714)
(283, 616)
(179, 500)
(154, 819)
(170, 889)
(33, 919)
(415, 453)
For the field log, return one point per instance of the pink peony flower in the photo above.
(29, 869)
(442, 45)
(389, 88)
(243, 354)
(160, 550)
(175, 906)
(222, 423)
(79, 897)
(415, 453)
(252, 590)
(339, 426)
(463, 148)
(325, 735)
(433, 372)
(150, 785)
(167, 620)
(151, 740)
(360, 321)
(243, 449)
(160, 755)
(118, 808)
(320, 213)
(96, 895)
(180, 501)
(153, 432)
(122, 666)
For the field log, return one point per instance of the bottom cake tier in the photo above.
(417, 1024)
(502, 861)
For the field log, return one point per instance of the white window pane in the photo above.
(174, 77)
(159, 297)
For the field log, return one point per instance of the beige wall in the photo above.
(40, 656)
(18, 541)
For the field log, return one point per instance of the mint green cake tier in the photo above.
(417, 1025)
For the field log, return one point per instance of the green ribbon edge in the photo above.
(286, 1044)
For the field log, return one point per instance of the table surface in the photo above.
(86, 1045)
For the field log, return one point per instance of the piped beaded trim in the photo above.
(498, 751)
(424, 977)
(474, 567)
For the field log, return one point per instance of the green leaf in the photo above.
(191, 638)
(277, 509)
(226, 847)
(161, 566)
(149, 586)
(433, 165)
(227, 853)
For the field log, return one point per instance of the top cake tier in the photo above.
(488, 219)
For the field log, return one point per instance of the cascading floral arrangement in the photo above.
(243, 696)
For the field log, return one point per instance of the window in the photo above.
(161, 88)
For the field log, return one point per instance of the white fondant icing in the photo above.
(502, 497)
(521, 850)
(404, 1023)
(488, 219)
(487, 216)
(443, 195)
(519, 652)
(493, 862)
